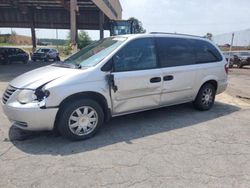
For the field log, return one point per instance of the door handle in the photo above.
(168, 77)
(155, 79)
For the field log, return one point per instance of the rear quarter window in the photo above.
(206, 52)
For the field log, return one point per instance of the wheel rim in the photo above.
(207, 97)
(83, 121)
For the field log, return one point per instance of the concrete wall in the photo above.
(102, 4)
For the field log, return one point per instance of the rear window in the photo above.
(43, 50)
(206, 52)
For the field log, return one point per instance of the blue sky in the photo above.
(182, 16)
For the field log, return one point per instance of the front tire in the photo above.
(205, 98)
(80, 119)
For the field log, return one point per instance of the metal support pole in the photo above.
(231, 46)
(33, 31)
(33, 36)
(73, 30)
(101, 23)
(56, 37)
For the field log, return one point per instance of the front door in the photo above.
(137, 78)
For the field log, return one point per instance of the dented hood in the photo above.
(40, 76)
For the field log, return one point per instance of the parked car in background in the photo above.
(12, 54)
(238, 58)
(244, 57)
(45, 54)
(113, 77)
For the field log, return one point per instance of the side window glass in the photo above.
(136, 55)
(11, 51)
(175, 52)
(206, 52)
(19, 51)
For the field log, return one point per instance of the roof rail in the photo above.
(176, 34)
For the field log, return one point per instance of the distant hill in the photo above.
(26, 40)
(15, 39)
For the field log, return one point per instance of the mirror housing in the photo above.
(108, 67)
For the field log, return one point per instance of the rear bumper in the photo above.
(38, 57)
(30, 117)
(222, 86)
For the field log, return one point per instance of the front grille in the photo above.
(8, 92)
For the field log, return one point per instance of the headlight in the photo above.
(27, 96)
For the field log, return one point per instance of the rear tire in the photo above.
(46, 60)
(205, 98)
(239, 65)
(80, 119)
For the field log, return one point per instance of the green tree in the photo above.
(83, 39)
(13, 33)
(209, 36)
(138, 25)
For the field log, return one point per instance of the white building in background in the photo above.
(241, 38)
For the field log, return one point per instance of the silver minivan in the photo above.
(116, 76)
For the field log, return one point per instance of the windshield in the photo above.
(95, 52)
(43, 50)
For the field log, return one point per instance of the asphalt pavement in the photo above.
(170, 147)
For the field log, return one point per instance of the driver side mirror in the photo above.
(108, 67)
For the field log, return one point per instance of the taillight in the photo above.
(226, 68)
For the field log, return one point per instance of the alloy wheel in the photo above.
(83, 121)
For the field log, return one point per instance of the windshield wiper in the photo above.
(67, 65)
(62, 64)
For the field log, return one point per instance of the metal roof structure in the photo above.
(60, 14)
(55, 14)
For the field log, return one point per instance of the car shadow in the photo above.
(121, 129)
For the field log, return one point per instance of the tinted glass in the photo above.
(175, 52)
(19, 51)
(206, 52)
(43, 50)
(136, 55)
(12, 51)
